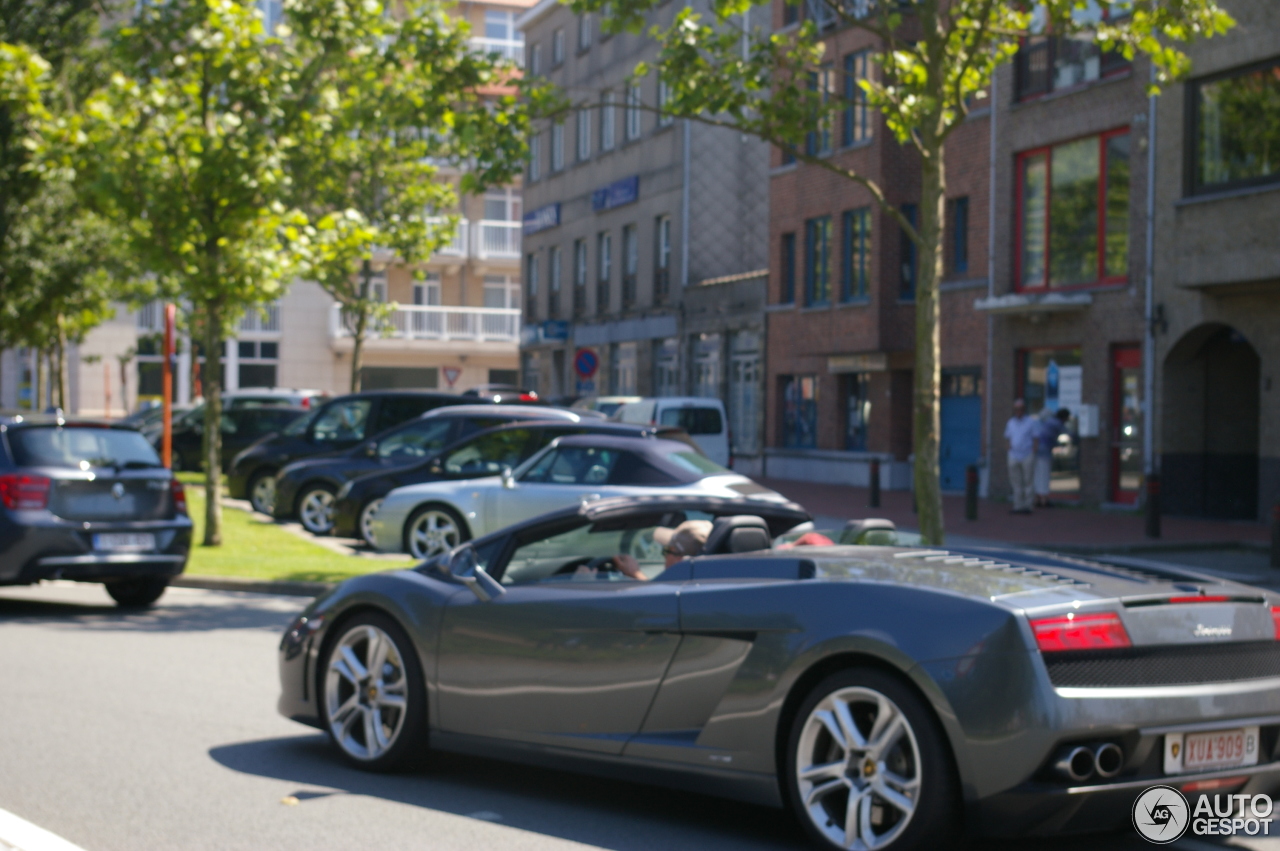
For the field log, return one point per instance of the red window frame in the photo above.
(1020, 193)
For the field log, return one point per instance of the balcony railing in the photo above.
(495, 238)
(263, 319)
(431, 322)
(506, 48)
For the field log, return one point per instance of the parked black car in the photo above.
(89, 501)
(483, 454)
(241, 428)
(305, 488)
(339, 423)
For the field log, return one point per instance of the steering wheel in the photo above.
(597, 563)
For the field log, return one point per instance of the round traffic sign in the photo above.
(586, 362)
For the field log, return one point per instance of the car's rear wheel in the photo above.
(315, 509)
(374, 703)
(137, 593)
(366, 520)
(868, 766)
(262, 493)
(432, 530)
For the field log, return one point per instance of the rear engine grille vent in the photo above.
(1163, 666)
(989, 564)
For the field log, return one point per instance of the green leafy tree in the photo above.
(934, 61)
(412, 94)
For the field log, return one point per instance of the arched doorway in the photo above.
(1210, 425)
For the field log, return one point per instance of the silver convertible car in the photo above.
(890, 696)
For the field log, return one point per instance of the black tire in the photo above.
(408, 537)
(409, 743)
(921, 753)
(137, 593)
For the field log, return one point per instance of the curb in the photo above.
(257, 586)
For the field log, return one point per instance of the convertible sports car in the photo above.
(887, 695)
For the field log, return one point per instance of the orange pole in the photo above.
(166, 440)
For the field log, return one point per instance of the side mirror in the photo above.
(508, 478)
(465, 567)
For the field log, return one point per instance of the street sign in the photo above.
(586, 362)
(451, 374)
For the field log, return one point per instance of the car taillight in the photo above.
(1275, 619)
(179, 496)
(306, 402)
(20, 492)
(1080, 632)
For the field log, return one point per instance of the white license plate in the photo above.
(1215, 749)
(125, 542)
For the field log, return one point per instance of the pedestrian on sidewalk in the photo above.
(1020, 435)
(1049, 430)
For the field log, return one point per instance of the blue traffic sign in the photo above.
(586, 362)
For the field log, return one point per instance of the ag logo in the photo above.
(1161, 815)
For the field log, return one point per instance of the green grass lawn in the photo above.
(255, 548)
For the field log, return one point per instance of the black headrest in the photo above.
(743, 533)
(873, 530)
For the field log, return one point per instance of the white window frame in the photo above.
(663, 239)
(557, 146)
(531, 273)
(557, 48)
(535, 59)
(535, 157)
(427, 291)
(584, 135)
(664, 98)
(604, 262)
(608, 121)
(584, 32)
(633, 112)
(553, 268)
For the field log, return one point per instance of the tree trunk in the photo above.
(362, 327)
(928, 372)
(212, 380)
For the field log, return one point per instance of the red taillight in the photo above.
(1207, 598)
(1275, 619)
(528, 397)
(306, 402)
(19, 492)
(179, 496)
(1099, 631)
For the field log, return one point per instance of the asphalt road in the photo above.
(158, 730)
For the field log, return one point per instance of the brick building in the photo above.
(841, 314)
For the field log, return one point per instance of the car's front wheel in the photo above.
(137, 593)
(868, 767)
(432, 530)
(374, 703)
(315, 509)
(262, 493)
(366, 520)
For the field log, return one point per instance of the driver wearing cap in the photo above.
(682, 542)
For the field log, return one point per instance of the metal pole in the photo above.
(874, 500)
(166, 387)
(1149, 339)
(971, 492)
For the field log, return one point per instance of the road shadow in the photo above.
(601, 812)
(187, 616)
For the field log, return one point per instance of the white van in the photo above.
(703, 418)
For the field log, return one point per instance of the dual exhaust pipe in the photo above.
(1078, 763)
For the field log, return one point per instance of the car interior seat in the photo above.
(872, 531)
(742, 533)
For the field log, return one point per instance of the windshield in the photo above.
(81, 448)
(694, 420)
(299, 426)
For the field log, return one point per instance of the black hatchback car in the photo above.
(241, 428)
(483, 454)
(340, 423)
(89, 501)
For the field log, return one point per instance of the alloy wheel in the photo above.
(366, 692)
(316, 511)
(433, 532)
(858, 769)
(263, 495)
(366, 521)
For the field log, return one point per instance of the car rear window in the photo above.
(696, 462)
(694, 420)
(81, 448)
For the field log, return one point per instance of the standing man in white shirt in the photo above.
(1020, 433)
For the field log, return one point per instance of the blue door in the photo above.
(961, 443)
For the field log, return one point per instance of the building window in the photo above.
(788, 264)
(604, 270)
(790, 13)
(584, 135)
(633, 112)
(622, 357)
(607, 121)
(817, 261)
(960, 235)
(799, 411)
(856, 388)
(427, 293)
(535, 60)
(1046, 64)
(630, 265)
(666, 367)
(553, 284)
(1236, 129)
(661, 258)
(744, 392)
(1073, 222)
(907, 256)
(535, 156)
(818, 142)
(258, 360)
(857, 115)
(531, 281)
(557, 146)
(822, 13)
(557, 48)
(501, 292)
(855, 266)
(584, 32)
(664, 102)
(705, 356)
(579, 277)
(502, 205)
(501, 38)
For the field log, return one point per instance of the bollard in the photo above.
(874, 501)
(971, 492)
(1275, 536)
(1153, 505)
